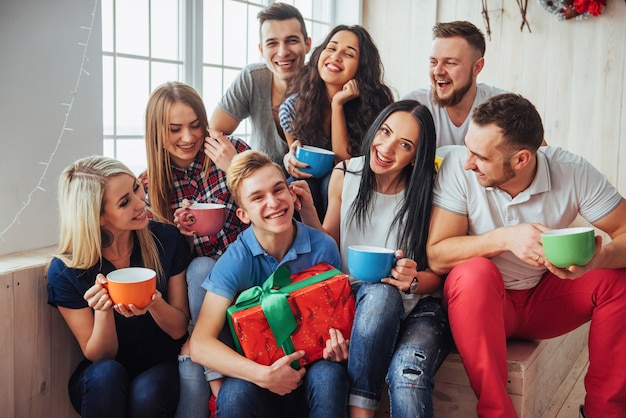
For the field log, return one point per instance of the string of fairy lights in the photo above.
(65, 128)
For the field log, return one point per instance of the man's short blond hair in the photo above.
(243, 166)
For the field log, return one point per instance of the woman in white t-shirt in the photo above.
(384, 198)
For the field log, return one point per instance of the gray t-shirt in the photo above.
(250, 95)
(447, 132)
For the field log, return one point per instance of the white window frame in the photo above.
(191, 58)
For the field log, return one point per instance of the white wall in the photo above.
(40, 66)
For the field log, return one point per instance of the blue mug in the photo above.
(320, 160)
(369, 263)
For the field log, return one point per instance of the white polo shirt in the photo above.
(565, 185)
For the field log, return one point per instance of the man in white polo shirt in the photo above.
(492, 201)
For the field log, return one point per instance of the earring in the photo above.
(106, 238)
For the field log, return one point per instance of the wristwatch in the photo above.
(415, 284)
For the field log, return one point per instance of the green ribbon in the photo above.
(272, 296)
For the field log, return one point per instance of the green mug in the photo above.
(569, 246)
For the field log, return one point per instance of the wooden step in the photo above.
(536, 371)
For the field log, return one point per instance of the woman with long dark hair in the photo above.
(385, 196)
(333, 100)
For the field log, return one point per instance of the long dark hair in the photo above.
(313, 104)
(413, 217)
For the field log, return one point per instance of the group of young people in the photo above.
(470, 267)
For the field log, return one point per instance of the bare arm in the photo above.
(609, 256)
(173, 317)
(209, 351)
(614, 224)
(221, 121)
(94, 329)
(449, 245)
(339, 129)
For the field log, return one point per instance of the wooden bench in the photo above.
(536, 371)
(39, 353)
(37, 349)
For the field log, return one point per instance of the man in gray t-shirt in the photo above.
(456, 59)
(259, 89)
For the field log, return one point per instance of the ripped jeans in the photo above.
(409, 351)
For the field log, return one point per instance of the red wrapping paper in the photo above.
(316, 308)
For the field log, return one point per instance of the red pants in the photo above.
(483, 315)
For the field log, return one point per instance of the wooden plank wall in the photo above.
(38, 350)
(573, 71)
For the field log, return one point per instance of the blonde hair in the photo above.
(160, 178)
(243, 166)
(81, 203)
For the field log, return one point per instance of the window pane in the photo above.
(107, 25)
(318, 33)
(243, 131)
(162, 72)
(212, 85)
(108, 148)
(164, 29)
(234, 39)
(212, 44)
(321, 10)
(107, 96)
(132, 152)
(305, 7)
(132, 27)
(156, 30)
(132, 95)
(253, 35)
(229, 76)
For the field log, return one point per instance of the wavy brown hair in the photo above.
(312, 103)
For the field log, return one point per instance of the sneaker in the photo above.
(581, 413)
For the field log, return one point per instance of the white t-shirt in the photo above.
(565, 185)
(378, 232)
(447, 132)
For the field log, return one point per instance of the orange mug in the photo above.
(131, 286)
(203, 218)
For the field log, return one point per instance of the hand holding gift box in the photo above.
(289, 313)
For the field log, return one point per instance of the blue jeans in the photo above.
(324, 394)
(408, 351)
(194, 388)
(379, 312)
(423, 344)
(105, 389)
(197, 271)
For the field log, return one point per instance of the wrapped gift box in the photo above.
(292, 312)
